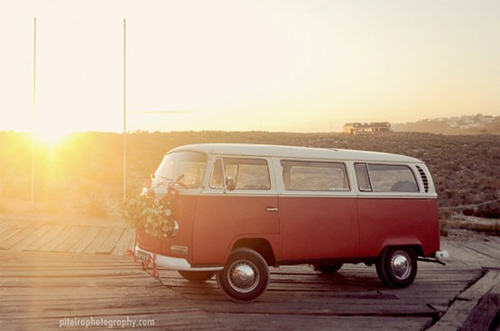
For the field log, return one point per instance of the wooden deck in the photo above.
(54, 275)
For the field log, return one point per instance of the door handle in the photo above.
(272, 209)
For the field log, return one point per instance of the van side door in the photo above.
(318, 211)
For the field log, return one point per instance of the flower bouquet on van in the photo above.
(152, 217)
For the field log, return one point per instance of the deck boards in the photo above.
(85, 241)
(23, 236)
(51, 235)
(51, 273)
(39, 290)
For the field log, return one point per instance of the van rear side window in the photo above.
(385, 178)
(314, 176)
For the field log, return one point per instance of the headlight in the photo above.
(170, 228)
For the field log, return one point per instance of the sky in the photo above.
(273, 65)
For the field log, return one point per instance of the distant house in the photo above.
(375, 127)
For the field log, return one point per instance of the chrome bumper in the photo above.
(174, 263)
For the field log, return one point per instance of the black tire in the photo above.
(327, 269)
(196, 276)
(397, 267)
(245, 276)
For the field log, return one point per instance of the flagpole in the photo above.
(124, 109)
(33, 115)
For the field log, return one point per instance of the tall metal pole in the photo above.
(33, 147)
(124, 109)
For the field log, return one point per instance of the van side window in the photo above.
(392, 178)
(362, 177)
(248, 174)
(217, 177)
(314, 176)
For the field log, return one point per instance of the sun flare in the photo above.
(50, 135)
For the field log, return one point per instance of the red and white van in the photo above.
(243, 208)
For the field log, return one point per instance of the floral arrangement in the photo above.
(154, 216)
(151, 214)
(144, 212)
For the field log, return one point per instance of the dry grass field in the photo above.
(83, 175)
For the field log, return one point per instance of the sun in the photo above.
(50, 135)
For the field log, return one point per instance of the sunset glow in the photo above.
(247, 65)
(51, 135)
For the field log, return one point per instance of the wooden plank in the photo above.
(60, 238)
(109, 244)
(47, 238)
(485, 251)
(85, 241)
(27, 258)
(476, 291)
(165, 321)
(33, 237)
(463, 254)
(72, 240)
(487, 309)
(459, 311)
(43, 288)
(454, 318)
(11, 232)
(98, 240)
(95, 289)
(16, 238)
(348, 293)
(125, 242)
(5, 226)
(301, 322)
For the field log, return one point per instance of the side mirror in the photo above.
(230, 184)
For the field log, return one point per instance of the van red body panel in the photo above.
(183, 210)
(222, 219)
(396, 222)
(318, 227)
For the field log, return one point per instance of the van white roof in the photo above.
(295, 152)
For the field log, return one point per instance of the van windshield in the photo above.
(190, 165)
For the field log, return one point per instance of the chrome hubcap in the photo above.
(400, 265)
(243, 276)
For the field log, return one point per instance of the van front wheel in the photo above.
(245, 276)
(397, 267)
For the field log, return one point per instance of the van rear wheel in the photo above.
(245, 276)
(397, 267)
(196, 276)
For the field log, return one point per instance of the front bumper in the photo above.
(174, 263)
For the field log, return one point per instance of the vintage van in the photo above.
(242, 208)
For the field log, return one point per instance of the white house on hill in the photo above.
(375, 127)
